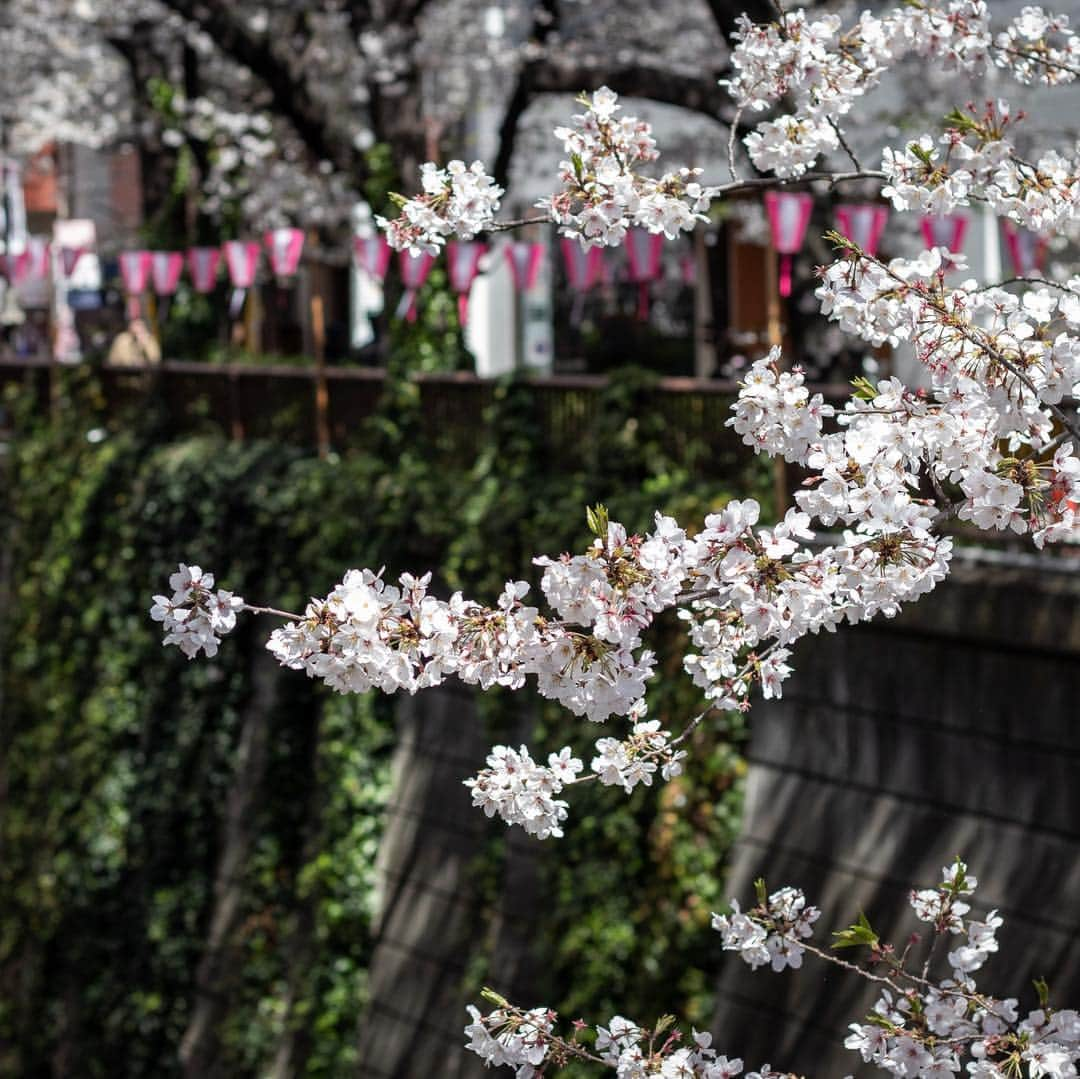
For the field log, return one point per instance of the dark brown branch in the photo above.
(290, 95)
(545, 22)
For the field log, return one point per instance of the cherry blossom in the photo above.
(195, 617)
(990, 439)
(457, 200)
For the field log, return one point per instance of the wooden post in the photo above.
(775, 333)
(236, 423)
(152, 315)
(251, 320)
(322, 395)
(704, 316)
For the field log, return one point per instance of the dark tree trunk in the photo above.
(217, 968)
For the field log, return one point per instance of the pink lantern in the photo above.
(135, 271)
(463, 263)
(372, 255)
(524, 259)
(862, 223)
(583, 268)
(69, 258)
(203, 267)
(242, 262)
(945, 230)
(165, 267)
(16, 267)
(414, 271)
(789, 215)
(285, 246)
(1027, 249)
(32, 263)
(37, 250)
(643, 251)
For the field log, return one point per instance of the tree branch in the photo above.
(291, 96)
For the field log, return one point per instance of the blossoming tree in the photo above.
(993, 442)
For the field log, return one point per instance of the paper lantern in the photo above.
(862, 223)
(203, 267)
(69, 259)
(789, 215)
(463, 264)
(15, 267)
(1027, 249)
(414, 272)
(242, 262)
(135, 272)
(30, 264)
(524, 259)
(945, 230)
(643, 252)
(165, 267)
(285, 247)
(583, 268)
(372, 255)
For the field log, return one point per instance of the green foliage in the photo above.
(857, 935)
(119, 761)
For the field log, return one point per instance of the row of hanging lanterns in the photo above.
(372, 254)
(142, 270)
(788, 215)
(584, 268)
(863, 223)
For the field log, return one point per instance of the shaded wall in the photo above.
(438, 902)
(897, 746)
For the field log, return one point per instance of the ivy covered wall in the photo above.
(187, 850)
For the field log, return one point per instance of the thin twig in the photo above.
(852, 156)
(520, 223)
(755, 183)
(1030, 281)
(731, 144)
(274, 611)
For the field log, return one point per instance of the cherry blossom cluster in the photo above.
(633, 760)
(973, 159)
(1037, 47)
(930, 1020)
(993, 423)
(602, 192)
(195, 617)
(522, 792)
(528, 1042)
(919, 1026)
(747, 593)
(821, 68)
(621, 582)
(770, 934)
(925, 1028)
(458, 200)
(368, 634)
(759, 591)
(512, 1038)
